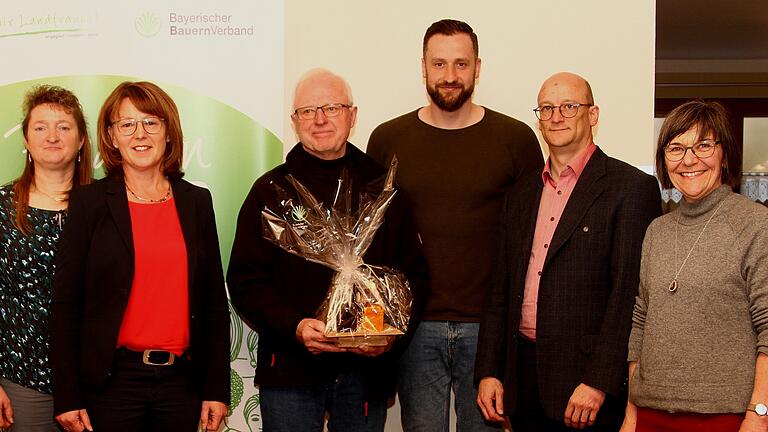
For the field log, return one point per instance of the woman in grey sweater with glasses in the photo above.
(699, 342)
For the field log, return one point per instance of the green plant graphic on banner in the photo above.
(252, 343)
(235, 333)
(235, 342)
(224, 151)
(251, 413)
(237, 389)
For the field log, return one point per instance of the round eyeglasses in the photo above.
(702, 150)
(567, 110)
(127, 126)
(329, 110)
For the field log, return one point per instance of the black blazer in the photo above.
(94, 274)
(587, 291)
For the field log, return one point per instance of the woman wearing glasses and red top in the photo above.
(140, 324)
(699, 343)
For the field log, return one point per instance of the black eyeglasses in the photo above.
(702, 150)
(330, 110)
(567, 110)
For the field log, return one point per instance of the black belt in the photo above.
(150, 357)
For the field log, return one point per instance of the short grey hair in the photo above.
(318, 72)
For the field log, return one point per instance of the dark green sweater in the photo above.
(455, 181)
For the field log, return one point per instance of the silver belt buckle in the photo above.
(147, 361)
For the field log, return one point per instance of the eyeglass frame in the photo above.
(136, 125)
(537, 110)
(715, 143)
(321, 108)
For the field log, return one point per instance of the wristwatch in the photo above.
(759, 409)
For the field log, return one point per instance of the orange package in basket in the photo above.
(373, 319)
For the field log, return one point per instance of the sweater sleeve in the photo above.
(755, 269)
(252, 286)
(526, 154)
(492, 337)
(641, 301)
(377, 147)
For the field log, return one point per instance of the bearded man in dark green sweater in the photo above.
(456, 160)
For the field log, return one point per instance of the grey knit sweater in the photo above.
(696, 347)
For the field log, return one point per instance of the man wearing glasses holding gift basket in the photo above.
(318, 267)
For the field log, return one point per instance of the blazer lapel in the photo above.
(584, 194)
(185, 207)
(118, 207)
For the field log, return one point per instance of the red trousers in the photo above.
(651, 420)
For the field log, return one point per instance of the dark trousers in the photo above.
(32, 410)
(529, 415)
(294, 409)
(139, 398)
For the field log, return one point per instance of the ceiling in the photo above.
(711, 29)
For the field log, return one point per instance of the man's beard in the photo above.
(450, 104)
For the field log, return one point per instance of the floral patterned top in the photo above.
(26, 285)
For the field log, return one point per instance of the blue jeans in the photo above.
(441, 357)
(293, 409)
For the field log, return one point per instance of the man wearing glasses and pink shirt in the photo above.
(553, 340)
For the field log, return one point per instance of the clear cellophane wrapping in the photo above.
(365, 304)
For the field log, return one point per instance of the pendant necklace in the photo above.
(673, 285)
(159, 200)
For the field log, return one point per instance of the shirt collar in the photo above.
(575, 166)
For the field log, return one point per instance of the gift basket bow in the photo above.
(366, 305)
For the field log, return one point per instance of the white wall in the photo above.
(755, 144)
(377, 47)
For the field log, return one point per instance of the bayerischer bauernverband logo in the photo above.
(147, 24)
(299, 213)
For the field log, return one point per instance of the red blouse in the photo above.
(157, 315)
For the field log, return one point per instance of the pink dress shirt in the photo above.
(554, 197)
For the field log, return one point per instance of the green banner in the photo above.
(224, 150)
